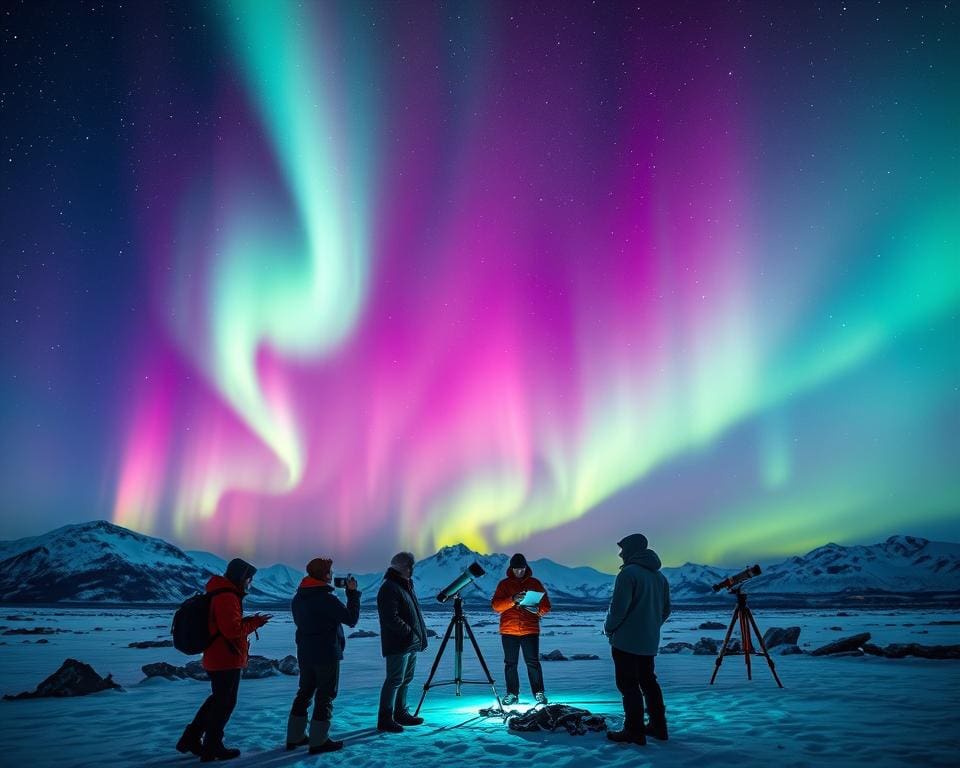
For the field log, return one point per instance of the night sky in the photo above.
(281, 279)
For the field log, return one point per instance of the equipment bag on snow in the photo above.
(191, 623)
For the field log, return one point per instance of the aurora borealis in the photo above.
(359, 277)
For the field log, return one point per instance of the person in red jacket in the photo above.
(520, 627)
(224, 659)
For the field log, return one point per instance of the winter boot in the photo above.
(541, 697)
(627, 737)
(320, 740)
(510, 699)
(656, 728)
(328, 746)
(214, 750)
(387, 724)
(192, 740)
(403, 717)
(296, 731)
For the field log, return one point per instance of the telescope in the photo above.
(731, 581)
(458, 627)
(456, 586)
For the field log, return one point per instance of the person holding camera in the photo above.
(638, 608)
(224, 659)
(319, 616)
(403, 635)
(520, 628)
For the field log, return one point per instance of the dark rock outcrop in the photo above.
(779, 636)
(152, 644)
(164, 670)
(195, 670)
(34, 631)
(74, 678)
(843, 646)
(902, 650)
(712, 625)
(260, 666)
(363, 633)
(257, 667)
(706, 646)
(676, 647)
(583, 657)
(554, 655)
(789, 649)
(288, 665)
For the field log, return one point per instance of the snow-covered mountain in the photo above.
(899, 564)
(693, 582)
(96, 562)
(564, 584)
(103, 562)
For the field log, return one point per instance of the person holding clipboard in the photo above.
(521, 600)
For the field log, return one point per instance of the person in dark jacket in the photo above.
(402, 636)
(224, 659)
(638, 608)
(319, 616)
(520, 628)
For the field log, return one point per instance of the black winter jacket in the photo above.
(401, 623)
(318, 614)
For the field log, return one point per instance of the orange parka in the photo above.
(513, 619)
(230, 648)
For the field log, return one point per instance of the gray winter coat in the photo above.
(640, 602)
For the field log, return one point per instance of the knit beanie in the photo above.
(518, 561)
(402, 560)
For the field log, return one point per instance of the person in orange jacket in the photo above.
(224, 659)
(520, 628)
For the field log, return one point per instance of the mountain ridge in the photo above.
(99, 562)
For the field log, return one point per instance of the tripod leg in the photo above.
(745, 641)
(726, 639)
(483, 662)
(458, 655)
(436, 663)
(763, 647)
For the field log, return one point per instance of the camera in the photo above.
(340, 582)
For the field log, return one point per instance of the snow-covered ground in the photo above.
(836, 711)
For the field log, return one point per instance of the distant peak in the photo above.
(96, 525)
(456, 549)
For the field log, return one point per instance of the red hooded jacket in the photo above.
(513, 619)
(231, 648)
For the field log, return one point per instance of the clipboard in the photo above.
(531, 599)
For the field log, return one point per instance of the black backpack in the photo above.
(191, 623)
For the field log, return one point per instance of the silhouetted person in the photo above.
(520, 628)
(319, 616)
(638, 608)
(224, 659)
(402, 636)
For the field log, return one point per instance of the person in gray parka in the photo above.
(639, 607)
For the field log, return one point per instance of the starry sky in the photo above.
(297, 278)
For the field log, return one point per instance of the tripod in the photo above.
(743, 615)
(457, 625)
